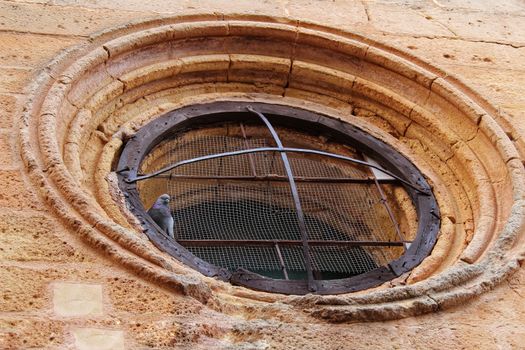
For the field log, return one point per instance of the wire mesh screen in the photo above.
(253, 258)
(233, 211)
(238, 212)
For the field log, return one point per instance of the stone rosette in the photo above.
(90, 99)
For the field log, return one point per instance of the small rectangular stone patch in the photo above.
(100, 339)
(77, 299)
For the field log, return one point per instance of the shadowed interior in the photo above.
(237, 212)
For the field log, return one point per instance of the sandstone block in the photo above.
(205, 63)
(6, 150)
(126, 5)
(201, 29)
(442, 251)
(259, 69)
(7, 110)
(335, 56)
(501, 86)
(94, 80)
(28, 50)
(59, 20)
(267, 46)
(139, 58)
(383, 95)
(342, 15)
(152, 72)
(321, 79)
(451, 117)
(105, 94)
(25, 237)
(391, 18)
(23, 289)
(14, 79)
(131, 296)
(432, 143)
(493, 161)
(28, 289)
(30, 333)
(134, 41)
(381, 58)
(471, 110)
(100, 339)
(77, 300)
(301, 97)
(14, 193)
(274, 30)
(480, 26)
(393, 118)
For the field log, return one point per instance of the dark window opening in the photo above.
(259, 252)
(280, 206)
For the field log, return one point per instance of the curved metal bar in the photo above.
(271, 149)
(428, 224)
(201, 159)
(355, 161)
(297, 201)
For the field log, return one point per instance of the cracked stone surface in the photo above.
(62, 289)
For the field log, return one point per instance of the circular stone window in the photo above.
(279, 199)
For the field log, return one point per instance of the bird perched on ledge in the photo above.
(160, 213)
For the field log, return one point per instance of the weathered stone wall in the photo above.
(65, 285)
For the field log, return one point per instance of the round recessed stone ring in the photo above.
(87, 102)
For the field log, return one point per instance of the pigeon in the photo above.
(161, 214)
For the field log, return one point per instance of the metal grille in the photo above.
(233, 212)
(253, 258)
(237, 211)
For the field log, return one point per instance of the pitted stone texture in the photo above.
(100, 339)
(28, 50)
(29, 333)
(176, 333)
(127, 5)
(15, 194)
(392, 19)
(7, 109)
(57, 20)
(14, 80)
(24, 289)
(376, 80)
(487, 321)
(77, 300)
(34, 238)
(132, 296)
(27, 288)
(6, 150)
